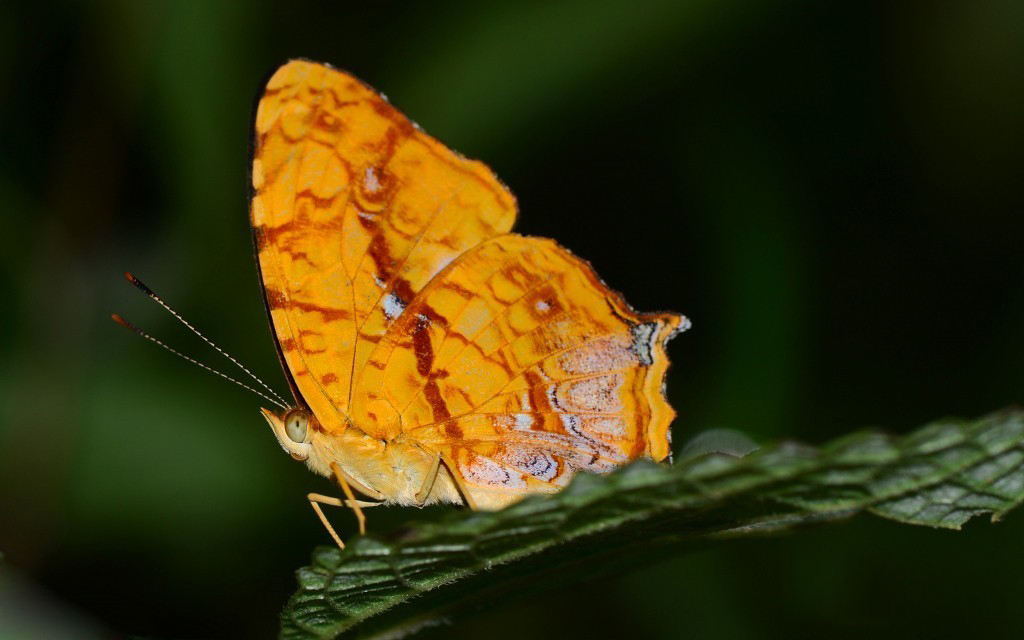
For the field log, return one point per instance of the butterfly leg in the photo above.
(346, 481)
(459, 483)
(428, 480)
(316, 499)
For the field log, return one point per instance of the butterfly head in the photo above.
(293, 429)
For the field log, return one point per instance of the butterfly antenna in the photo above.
(149, 292)
(124, 323)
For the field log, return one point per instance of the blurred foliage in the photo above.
(829, 190)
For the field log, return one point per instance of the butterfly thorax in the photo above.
(396, 469)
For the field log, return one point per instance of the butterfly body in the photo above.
(434, 356)
(394, 470)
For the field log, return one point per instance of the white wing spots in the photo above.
(380, 283)
(533, 462)
(601, 394)
(393, 306)
(542, 306)
(604, 458)
(614, 428)
(524, 421)
(484, 472)
(371, 183)
(644, 336)
(603, 354)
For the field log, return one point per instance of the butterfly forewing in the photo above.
(355, 210)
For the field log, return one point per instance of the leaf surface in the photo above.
(940, 476)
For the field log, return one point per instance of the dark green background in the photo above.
(830, 190)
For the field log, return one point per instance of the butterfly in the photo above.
(433, 355)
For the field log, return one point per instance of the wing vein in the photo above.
(477, 333)
(389, 288)
(543, 358)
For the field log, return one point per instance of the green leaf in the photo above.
(940, 476)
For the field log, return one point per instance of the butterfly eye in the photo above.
(295, 424)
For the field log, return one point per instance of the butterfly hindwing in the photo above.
(521, 367)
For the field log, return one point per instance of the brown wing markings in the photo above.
(319, 202)
(405, 293)
(545, 358)
(378, 248)
(469, 295)
(276, 265)
(470, 339)
(538, 399)
(424, 363)
(496, 356)
(548, 384)
(526, 459)
(575, 443)
(487, 284)
(268, 92)
(496, 350)
(303, 124)
(552, 412)
(438, 150)
(403, 131)
(339, 103)
(377, 251)
(386, 110)
(330, 314)
(469, 342)
(538, 361)
(401, 326)
(565, 443)
(302, 149)
(556, 318)
(275, 297)
(458, 288)
(272, 235)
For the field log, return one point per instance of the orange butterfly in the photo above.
(433, 355)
